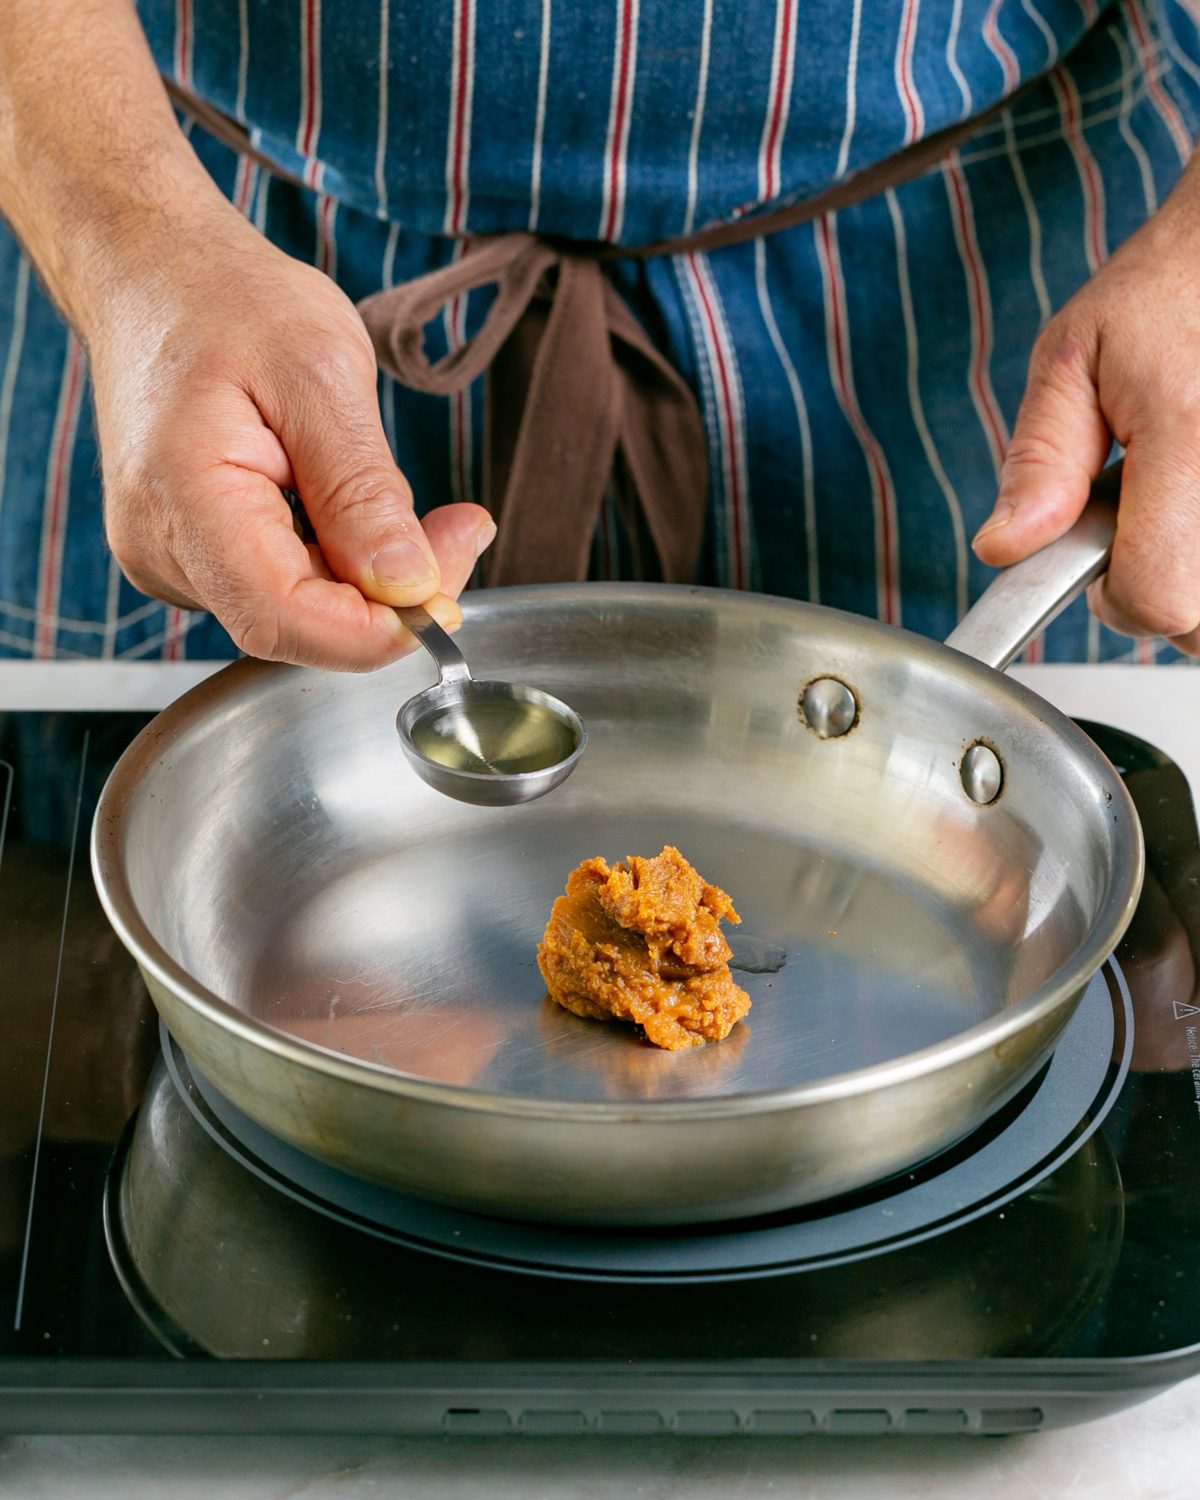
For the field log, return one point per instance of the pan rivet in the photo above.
(982, 774)
(829, 707)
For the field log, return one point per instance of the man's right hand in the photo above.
(225, 371)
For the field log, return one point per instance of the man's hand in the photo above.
(223, 370)
(224, 374)
(1121, 360)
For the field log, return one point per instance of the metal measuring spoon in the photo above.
(491, 743)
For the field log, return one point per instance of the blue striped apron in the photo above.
(858, 376)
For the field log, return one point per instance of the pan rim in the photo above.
(227, 685)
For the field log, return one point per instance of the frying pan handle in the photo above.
(1023, 599)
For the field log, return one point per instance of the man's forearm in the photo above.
(90, 152)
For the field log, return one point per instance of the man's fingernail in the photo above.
(1001, 516)
(402, 565)
(484, 537)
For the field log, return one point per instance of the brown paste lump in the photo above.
(641, 942)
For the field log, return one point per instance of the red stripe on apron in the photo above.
(620, 109)
(882, 496)
(727, 421)
(58, 485)
(784, 43)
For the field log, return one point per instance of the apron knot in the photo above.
(578, 403)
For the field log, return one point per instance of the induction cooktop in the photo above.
(167, 1265)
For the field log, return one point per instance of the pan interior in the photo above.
(422, 959)
(294, 865)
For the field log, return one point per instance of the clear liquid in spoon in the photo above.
(498, 736)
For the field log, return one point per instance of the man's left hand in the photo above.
(1120, 361)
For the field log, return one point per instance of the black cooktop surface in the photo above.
(149, 1234)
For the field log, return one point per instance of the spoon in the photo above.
(492, 743)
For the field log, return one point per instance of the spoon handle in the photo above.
(451, 663)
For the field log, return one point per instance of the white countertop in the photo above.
(1160, 703)
(1146, 1453)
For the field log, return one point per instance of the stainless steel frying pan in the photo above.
(929, 860)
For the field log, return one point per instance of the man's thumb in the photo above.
(1059, 445)
(359, 503)
(361, 509)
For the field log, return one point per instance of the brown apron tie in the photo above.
(577, 398)
(575, 393)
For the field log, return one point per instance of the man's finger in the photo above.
(1189, 644)
(1059, 445)
(273, 594)
(358, 501)
(1152, 586)
(458, 535)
